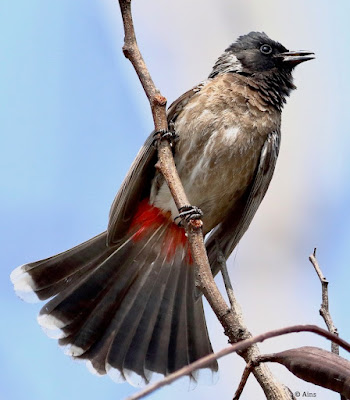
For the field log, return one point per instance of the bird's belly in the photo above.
(215, 171)
(221, 133)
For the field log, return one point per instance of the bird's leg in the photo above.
(164, 134)
(189, 212)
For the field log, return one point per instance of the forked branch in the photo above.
(324, 310)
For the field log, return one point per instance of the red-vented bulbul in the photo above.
(125, 300)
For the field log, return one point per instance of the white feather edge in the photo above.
(52, 326)
(24, 285)
(74, 351)
(92, 369)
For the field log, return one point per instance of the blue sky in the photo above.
(73, 117)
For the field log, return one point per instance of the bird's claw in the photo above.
(164, 134)
(188, 213)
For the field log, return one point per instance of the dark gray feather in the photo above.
(135, 186)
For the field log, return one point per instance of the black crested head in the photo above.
(256, 51)
(267, 62)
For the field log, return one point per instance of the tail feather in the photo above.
(178, 352)
(85, 309)
(158, 348)
(50, 276)
(90, 326)
(78, 299)
(129, 315)
(108, 354)
(130, 309)
(137, 353)
(198, 339)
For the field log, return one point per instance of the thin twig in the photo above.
(225, 276)
(233, 324)
(203, 362)
(247, 371)
(324, 310)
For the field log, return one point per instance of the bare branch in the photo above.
(203, 362)
(324, 310)
(226, 278)
(300, 365)
(158, 105)
(233, 325)
(248, 369)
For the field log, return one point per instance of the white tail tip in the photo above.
(24, 285)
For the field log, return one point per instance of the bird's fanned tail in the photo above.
(129, 310)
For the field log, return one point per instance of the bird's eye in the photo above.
(266, 49)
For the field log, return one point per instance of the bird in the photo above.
(126, 300)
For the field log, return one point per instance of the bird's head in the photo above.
(255, 53)
(257, 56)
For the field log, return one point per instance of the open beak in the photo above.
(295, 57)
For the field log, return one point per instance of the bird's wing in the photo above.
(133, 189)
(137, 183)
(229, 232)
(177, 106)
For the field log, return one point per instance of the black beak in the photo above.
(295, 57)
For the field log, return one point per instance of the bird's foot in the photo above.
(163, 134)
(188, 213)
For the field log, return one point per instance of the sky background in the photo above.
(73, 116)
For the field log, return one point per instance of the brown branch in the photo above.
(324, 310)
(203, 362)
(233, 324)
(132, 52)
(158, 105)
(226, 278)
(248, 369)
(232, 319)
